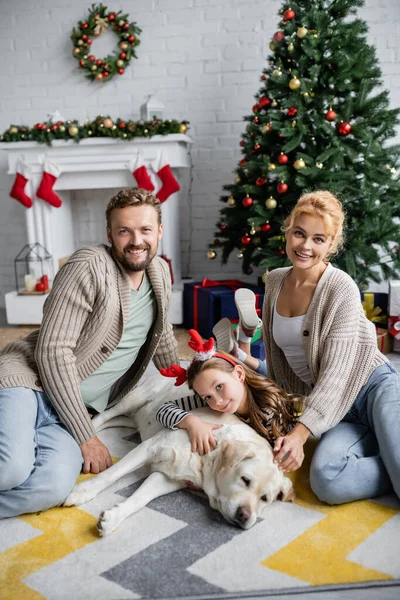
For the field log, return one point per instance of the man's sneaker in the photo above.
(245, 301)
(225, 337)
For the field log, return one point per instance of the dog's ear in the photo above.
(233, 452)
(286, 493)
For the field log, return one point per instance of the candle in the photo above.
(30, 282)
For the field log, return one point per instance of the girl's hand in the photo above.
(200, 433)
(289, 449)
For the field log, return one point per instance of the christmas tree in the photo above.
(321, 121)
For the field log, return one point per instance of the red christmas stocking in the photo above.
(21, 178)
(51, 173)
(140, 173)
(169, 183)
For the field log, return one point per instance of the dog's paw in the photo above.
(79, 495)
(108, 521)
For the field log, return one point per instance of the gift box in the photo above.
(394, 298)
(384, 340)
(394, 331)
(376, 307)
(206, 302)
(258, 349)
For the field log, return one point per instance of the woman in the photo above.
(320, 345)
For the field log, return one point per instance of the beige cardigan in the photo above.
(339, 343)
(83, 320)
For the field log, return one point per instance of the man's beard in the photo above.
(131, 263)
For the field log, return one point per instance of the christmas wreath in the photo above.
(99, 19)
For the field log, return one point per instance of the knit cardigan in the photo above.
(339, 344)
(83, 321)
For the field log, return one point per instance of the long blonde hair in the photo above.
(324, 204)
(263, 395)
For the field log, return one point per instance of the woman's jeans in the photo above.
(262, 368)
(360, 457)
(39, 459)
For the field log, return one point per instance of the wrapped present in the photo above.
(375, 307)
(394, 331)
(258, 350)
(384, 340)
(394, 297)
(206, 302)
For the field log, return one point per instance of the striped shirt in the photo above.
(171, 414)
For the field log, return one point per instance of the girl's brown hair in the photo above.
(263, 395)
(324, 204)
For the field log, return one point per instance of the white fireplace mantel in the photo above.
(94, 163)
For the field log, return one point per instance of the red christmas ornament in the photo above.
(241, 143)
(255, 108)
(111, 17)
(99, 62)
(289, 14)
(264, 101)
(257, 147)
(53, 127)
(330, 115)
(246, 240)
(122, 124)
(125, 26)
(282, 187)
(223, 226)
(84, 26)
(105, 73)
(343, 128)
(81, 63)
(92, 58)
(84, 37)
(260, 181)
(43, 126)
(281, 251)
(292, 111)
(265, 227)
(278, 36)
(89, 41)
(121, 71)
(263, 78)
(242, 162)
(122, 55)
(247, 201)
(131, 38)
(283, 159)
(255, 120)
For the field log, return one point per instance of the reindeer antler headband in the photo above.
(204, 351)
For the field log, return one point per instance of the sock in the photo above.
(21, 179)
(137, 167)
(242, 337)
(169, 183)
(51, 173)
(241, 354)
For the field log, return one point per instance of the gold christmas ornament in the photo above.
(80, 42)
(120, 63)
(211, 254)
(264, 129)
(301, 32)
(252, 230)
(99, 76)
(239, 255)
(319, 165)
(73, 130)
(237, 180)
(293, 123)
(270, 202)
(305, 94)
(76, 51)
(277, 72)
(124, 45)
(61, 128)
(274, 104)
(90, 132)
(290, 47)
(264, 275)
(183, 128)
(272, 47)
(13, 129)
(299, 164)
(294, 83)
(272, 166)
(94, 67)
(108, 123)
(231, 201)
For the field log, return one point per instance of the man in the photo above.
(103, 321)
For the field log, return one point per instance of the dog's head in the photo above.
(245, 482)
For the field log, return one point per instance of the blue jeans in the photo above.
(262, 368)
(360, 457)
(39, 459)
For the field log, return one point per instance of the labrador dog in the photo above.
(239, 476)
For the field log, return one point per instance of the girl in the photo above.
(225, 385)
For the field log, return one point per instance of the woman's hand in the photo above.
(96, 457)
(200, 433)
(289, 449)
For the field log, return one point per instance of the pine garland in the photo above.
(101, 126)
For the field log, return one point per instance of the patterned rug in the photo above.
(179, 547)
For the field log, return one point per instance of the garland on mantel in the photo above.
(101, 126)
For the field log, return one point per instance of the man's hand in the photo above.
(200, 433)
(289, 449)
(96, 457)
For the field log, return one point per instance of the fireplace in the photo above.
(94, 164)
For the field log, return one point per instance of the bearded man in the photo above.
(105, 318)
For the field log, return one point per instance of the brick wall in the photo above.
(202, 58)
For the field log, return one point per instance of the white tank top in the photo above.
(288, 335)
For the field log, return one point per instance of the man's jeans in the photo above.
(39, 459)
(360, 457)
